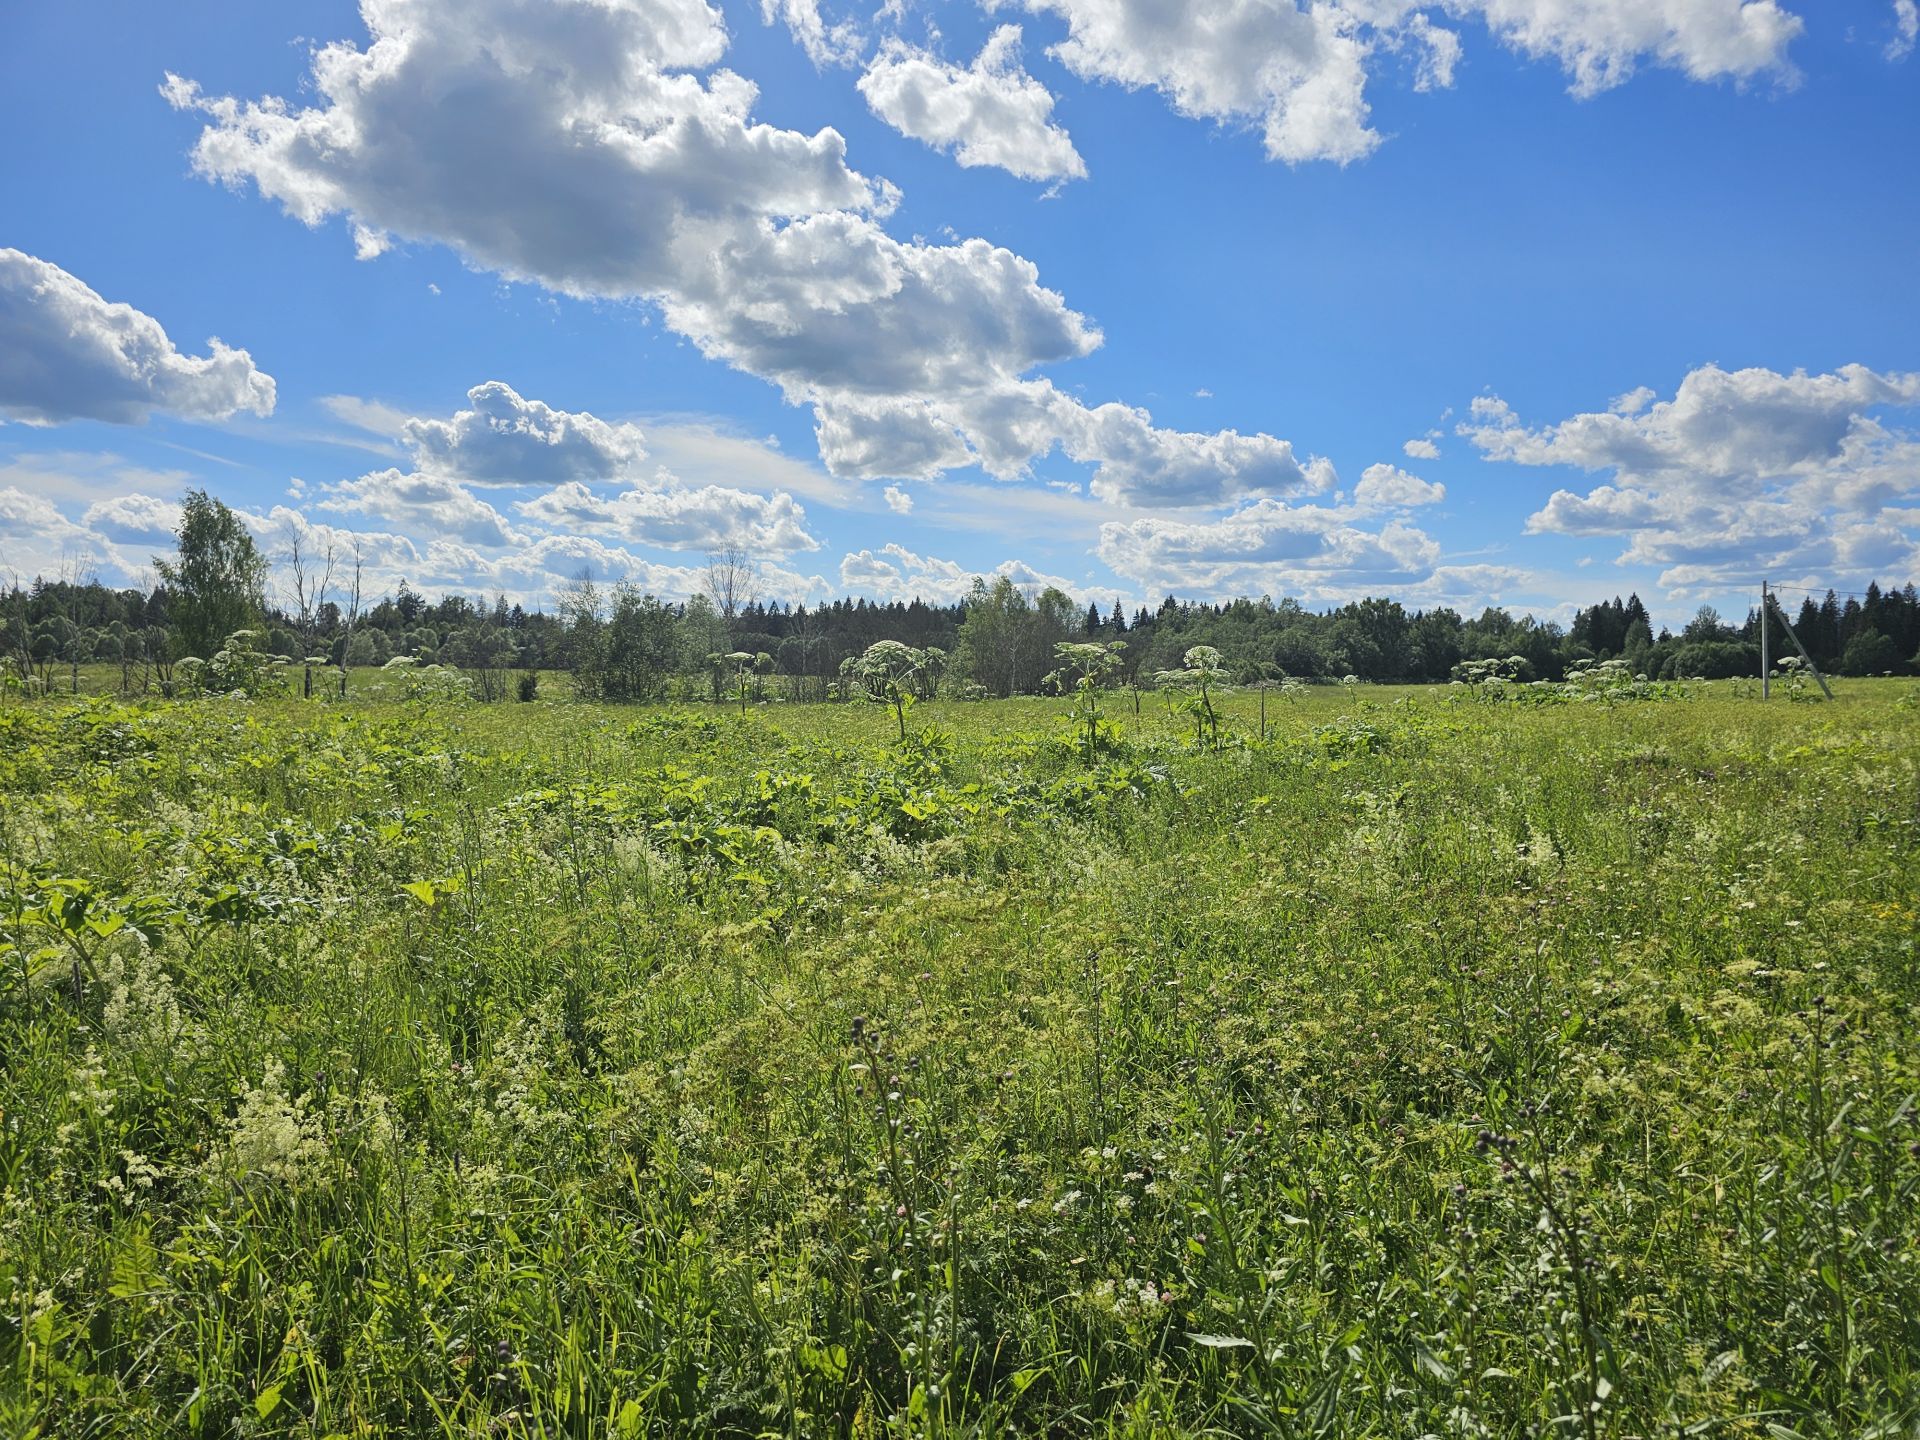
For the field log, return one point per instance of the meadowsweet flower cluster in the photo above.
(1131, 1300)
(142, 1012)
(275, 1138)
(90, 1095)
(134, 1182)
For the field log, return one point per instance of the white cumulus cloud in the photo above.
(594, 147)
(1601, 42)
(990, 113)
(1141, 464)
(1740, 472)
(587, 471)
(1010, 425)
(894, 572)
(75, 514)
(68, 354)
(435, 505)
(502, 439)
(1299, 71)
(705, 518)
(37, 540)
(835, 43)
(1269, 547)
(135, 519)
(901, 439)
(1386, 487)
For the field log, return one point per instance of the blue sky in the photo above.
(1527, 302)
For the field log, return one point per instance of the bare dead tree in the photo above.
(312, 580)
(579, 600)
(733, 582)
(78, 570)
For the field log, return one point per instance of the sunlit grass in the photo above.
(1430, 1067)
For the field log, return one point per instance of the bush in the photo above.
(1870, 653)
(1716, 659)
(528, 688)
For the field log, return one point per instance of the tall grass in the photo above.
(1427, 1068)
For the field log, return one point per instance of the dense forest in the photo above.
(622, 644)
(625, 645)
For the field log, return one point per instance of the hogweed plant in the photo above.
(239, 668)
(887, 674)
(1083, 672)
(740, 673)
(1273, 677)
(1202, 672)
(1793, 677)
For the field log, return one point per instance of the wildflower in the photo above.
(131, 1187)
(1129, 1300)
(275, 1137)
(90, 1093)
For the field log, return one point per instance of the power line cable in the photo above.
(1837, 594)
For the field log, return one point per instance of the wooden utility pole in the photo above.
(1766, 660)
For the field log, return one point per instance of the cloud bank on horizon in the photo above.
(605, 154)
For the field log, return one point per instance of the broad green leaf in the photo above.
(1432, 1363)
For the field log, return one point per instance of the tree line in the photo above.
(621, 643)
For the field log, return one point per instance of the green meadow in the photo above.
(1425, 1063)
